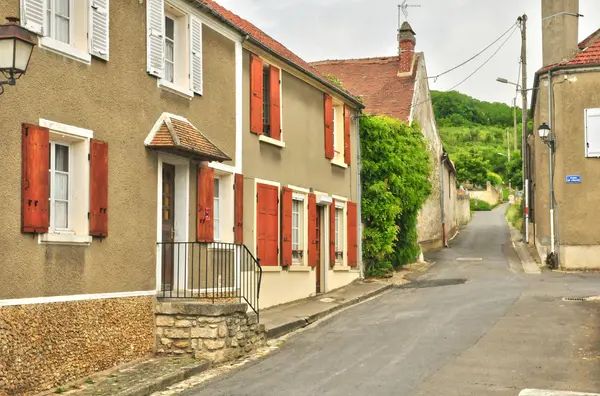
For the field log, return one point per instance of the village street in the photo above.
(499, 332)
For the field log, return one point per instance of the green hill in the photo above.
(474, 132)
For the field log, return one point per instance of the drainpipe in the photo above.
(359, 196)
(444, 239)
(550, 164)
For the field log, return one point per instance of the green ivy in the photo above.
(335, 81)
(395, 183)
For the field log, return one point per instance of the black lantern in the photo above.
(16, 47)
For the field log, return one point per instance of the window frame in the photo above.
(50, 16)
(299, 201)
(338, 133)
(217, 213)
(266, 91)
(166, 38)
(52, 200)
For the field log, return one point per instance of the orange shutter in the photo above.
(332, 233)
(256, 95)
(329, 132)
(275, 103)
(286, 227)
(206, 202)
(352, 235)
(267, 227)
(313, 255)
(239, 209)
(35, 189)
(347, 150)
(98, 188)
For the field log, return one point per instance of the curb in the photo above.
(539, 392)
(160, 383)
(289, 327)
(529, 266)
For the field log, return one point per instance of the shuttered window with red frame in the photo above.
(256, 95)
(275, 103)
(347, 148)
(313, 254)
(352, 237)
(239, 209)
(286, 226)
(329, 127)
(332, 233)
(98, 188)
(267, 224)
(206, 199)
(35, 189)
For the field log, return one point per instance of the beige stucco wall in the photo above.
(490, 195)
(429, 221)
(120, 103)
(300, 163)
(577, 228)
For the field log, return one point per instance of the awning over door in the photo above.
(176, 135)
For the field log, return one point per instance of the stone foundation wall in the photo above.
(43, 346)
(462, 211)
(217, 333)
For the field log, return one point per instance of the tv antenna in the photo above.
(403, 10)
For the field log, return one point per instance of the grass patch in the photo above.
(478, 205)
(514, 215)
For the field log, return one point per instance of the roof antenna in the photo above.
(403, 9)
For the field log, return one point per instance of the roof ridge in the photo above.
(350, 60)
(589, 40)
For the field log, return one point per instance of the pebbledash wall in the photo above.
(67, 311)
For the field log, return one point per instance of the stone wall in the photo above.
(491, 195)
(43, 346)
(217, 333)
(462, 211)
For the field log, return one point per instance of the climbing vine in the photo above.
(395, 184)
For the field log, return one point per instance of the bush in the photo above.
(478, 205)
(494, 178)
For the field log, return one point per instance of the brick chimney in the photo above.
(559, 31)
(406, 43)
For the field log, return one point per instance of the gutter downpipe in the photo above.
(444, 237)
(359, 196)
(550, 164)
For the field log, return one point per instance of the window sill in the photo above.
(64, 239)
(271, 268)
(340, 164)
(299, 268)
(274, 142)
(65, 49)
(176, 90)
(341, 268)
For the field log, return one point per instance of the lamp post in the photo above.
(546, 136)
(16, 47)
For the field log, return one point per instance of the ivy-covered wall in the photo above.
(395, 183)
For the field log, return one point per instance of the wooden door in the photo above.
(318, 247)
(168, 225)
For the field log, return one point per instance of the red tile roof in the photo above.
(376, 81)
(589, 53)
(245, 27)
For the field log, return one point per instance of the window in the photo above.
(297, 230)
(59, 187)
(169, 49)
(339, 253)
(217, 210)
(335, 145)
(267, 100)
(338, 134)
(58, 20)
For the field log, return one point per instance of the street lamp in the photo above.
(546, 136)
(16, 47)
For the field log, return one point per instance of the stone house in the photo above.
(567, 99)
(397, 86)
(160, 150)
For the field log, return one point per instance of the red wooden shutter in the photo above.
(98, 188)
(239, 208)
(275, 103)
(332, 233)
(267, 227)
(329, 131)
(286, 227)
(256, 95)
(206, 202)
(352, 235)
(313, 255)
(35, 189)
(347, 150)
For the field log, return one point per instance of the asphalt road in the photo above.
(497, 333)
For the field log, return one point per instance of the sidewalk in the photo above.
(528, 263)
(289, 317)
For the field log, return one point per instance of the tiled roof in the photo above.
(589, 53)
(245, 27)
(178, 134)
(376, 80)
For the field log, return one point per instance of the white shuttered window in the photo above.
(592, 132)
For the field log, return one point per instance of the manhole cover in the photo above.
(469, 259)
(434, 283)
(327, 300)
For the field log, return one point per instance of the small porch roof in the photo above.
(176, 135)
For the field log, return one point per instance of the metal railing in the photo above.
(212, 272)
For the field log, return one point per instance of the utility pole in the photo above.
(508, 144)
(515, 114)
(524, 150)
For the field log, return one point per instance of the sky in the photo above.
(448, 31)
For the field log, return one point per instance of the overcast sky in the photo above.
(448, 31)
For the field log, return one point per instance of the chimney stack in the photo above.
(406, 43)
(560, 30)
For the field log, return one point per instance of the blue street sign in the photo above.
(574, 179)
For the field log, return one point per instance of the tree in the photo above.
(471, 167)
(514, 171)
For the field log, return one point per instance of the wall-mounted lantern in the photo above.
(16, 47)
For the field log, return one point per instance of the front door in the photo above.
(318, 248)
(168, 225)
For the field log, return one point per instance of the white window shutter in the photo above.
(196, 81)
(155, 22)
(32, 15)
(99, 28)
(592, 132)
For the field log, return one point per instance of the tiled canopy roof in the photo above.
(376, 80)
(248, 28)
(176, 134)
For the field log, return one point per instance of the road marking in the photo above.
(469, 259)
(540, 392)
